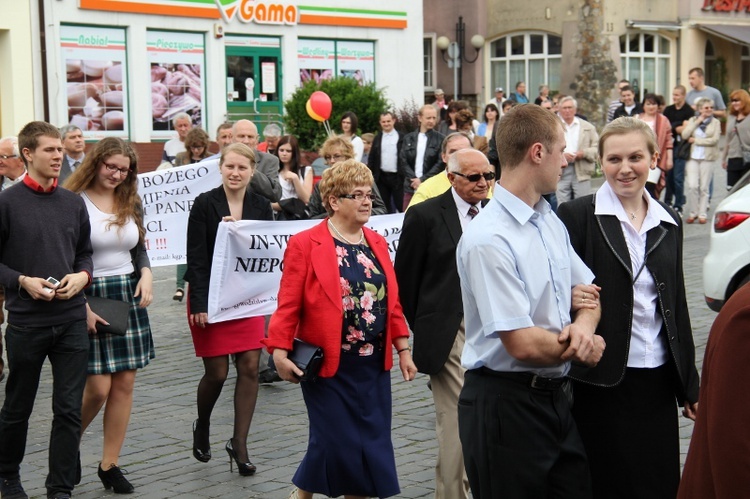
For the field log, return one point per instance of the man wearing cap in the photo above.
(498, 99)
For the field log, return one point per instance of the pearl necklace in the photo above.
(341, 236)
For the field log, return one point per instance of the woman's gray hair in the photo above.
(702, 102)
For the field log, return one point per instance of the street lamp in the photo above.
(457, 51)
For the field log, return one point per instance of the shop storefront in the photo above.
(124, 68)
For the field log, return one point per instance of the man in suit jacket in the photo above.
(383, 162)
(581, 141)
(73, 146)
(266, 177)
(430, 294)
(419, 158)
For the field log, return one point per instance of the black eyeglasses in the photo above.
(3, 156)
(475, 177)
(335, 157)
(358, 196)
(114, 169)
(736, 100)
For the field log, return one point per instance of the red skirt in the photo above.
(228, 337)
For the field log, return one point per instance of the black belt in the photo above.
(529, 379)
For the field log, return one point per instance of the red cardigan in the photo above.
(310, 306)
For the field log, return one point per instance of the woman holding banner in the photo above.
(107, 180)
(338, 291)
(229, 202)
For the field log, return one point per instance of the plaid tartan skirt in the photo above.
(110, 353)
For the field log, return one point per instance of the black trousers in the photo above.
(520, 442)
(391, 187)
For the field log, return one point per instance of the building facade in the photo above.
(653, 44)
(125, 68)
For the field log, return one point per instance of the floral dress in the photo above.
(350, 451)
(364, 299)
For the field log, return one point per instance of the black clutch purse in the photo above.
(113, 311)
(308, 359)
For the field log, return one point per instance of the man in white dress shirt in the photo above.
(517, 271)
(581, 141)
(383, 162)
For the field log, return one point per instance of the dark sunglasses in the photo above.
(489, 176)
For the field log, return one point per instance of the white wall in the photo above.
(16, 68)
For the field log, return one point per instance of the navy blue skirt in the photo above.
(350, 451)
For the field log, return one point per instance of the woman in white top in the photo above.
(703, 133)
(349, 125)
(296, 180)
(107, 181)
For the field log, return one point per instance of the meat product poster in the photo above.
(177, 79)
(95, 67)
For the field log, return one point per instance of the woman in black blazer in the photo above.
(625, 406)
(240, 337)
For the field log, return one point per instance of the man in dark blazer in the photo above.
(383, 162)
(430, 294)
(423, 143)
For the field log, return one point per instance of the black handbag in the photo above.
(683, 150)
(115, 312)
(308, 359)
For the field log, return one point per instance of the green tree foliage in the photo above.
(367, 102)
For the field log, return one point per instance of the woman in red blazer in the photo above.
(339, 292)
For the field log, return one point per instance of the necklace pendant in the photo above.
(632, 216)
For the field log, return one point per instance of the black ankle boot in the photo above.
(113, 479)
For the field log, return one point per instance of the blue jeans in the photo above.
(676, 184)
(67, 347)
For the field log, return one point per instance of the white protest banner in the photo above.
(167, 196)
(249, 259)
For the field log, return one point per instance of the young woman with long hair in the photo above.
(297, 179)
(107, 181)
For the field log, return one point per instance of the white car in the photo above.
(726, 267)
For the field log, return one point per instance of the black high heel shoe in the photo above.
(244, 469)
(202, 455)
(113, 479)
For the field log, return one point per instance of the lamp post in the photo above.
(457, 51)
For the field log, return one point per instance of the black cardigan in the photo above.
(205, 215)
(599, 241)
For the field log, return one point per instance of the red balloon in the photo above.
(312, 113)
(321, 104)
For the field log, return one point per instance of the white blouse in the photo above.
(111, 244)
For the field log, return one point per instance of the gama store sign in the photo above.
(255, 11)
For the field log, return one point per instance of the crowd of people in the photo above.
(555, 389)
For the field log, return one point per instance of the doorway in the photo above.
(254, 75)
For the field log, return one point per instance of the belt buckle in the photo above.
(541, 385)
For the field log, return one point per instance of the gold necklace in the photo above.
(341, 236)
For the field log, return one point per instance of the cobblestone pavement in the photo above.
(157, 451)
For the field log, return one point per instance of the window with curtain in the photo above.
(644, 59)
(531, 57)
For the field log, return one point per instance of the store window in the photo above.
(177, 61)
(530, 57)
(645, 62)
(325, 59)
(94, 62)
(745, 67)
(710, 77)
